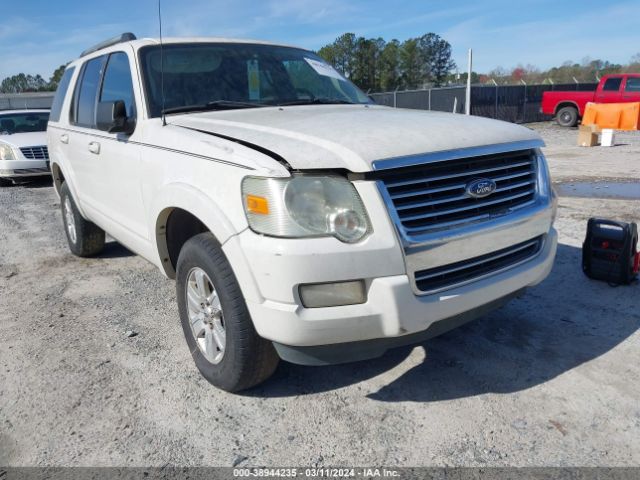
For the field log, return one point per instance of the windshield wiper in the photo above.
(215, 105)
(318, 101)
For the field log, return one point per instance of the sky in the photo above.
(36, 36)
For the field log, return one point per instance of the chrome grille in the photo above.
(459, 273)
(433, 195)
(36, 153)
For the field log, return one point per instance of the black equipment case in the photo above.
(609, 251)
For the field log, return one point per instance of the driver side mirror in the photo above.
(112, 117)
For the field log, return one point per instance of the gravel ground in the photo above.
(551, 379)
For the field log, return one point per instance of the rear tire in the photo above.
(85, 238)
(567, 117)
(216, 322)
(5, 182)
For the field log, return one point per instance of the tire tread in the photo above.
(255, 357)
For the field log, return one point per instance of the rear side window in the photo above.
(117, 83)
(633, 84)
(612, 84)
(86, 93)
(61, 93)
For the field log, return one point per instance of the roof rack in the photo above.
(125, 37)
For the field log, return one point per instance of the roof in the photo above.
(25, 110)
(171, 40)
(142, 42)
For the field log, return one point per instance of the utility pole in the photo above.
(467, 103)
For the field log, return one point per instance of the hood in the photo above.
(352, 136)
(30, 139)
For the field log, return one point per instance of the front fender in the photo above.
(198, 204)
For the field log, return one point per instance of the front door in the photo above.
(610, 92)
(631, 90)
(117, 155)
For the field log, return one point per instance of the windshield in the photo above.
(11, 123)
(227, 75)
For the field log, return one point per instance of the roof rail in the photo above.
(125, 37)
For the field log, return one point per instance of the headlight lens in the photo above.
(6, 152)
(544, 177)
(305, 206)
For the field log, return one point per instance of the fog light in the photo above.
(315, 295)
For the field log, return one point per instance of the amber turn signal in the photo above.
(258, 205)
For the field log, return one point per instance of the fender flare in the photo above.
(56, 168)
(198, 204)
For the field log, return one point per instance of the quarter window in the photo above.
(117, 83)
(61, 93)
(612, 84)
(633, 84)
(85, 101)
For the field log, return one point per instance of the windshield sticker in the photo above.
(324, 69)
(253, 76)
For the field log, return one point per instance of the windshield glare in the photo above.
(198, 74)
(11, 123)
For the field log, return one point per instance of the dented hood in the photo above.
(351, 136)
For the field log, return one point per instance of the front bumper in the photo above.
(24, 168)
(391, 311)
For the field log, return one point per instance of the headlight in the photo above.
(6, 152)
(545, 186)
(305, 206)
(544, 177)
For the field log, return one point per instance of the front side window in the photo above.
(86, 92)
(633, 84)
(61, 93)
(117, 83)
(228, 75)
(612, 84)
(26, 122)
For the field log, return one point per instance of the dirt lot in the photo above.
(551, 379)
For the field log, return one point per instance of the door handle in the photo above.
(64, 138)
(94, 147)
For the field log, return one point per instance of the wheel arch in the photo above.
(58, 177)
(181, 213)
(566, 103)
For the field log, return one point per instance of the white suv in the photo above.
(300, 220)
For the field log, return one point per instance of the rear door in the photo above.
(631, 89)
(611, 91)
(57, 134)
(82, 119)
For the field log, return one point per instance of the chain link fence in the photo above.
(512, 103)
(19, 101)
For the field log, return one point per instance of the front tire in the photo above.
(567, 117)
(5, 182)
(85, 238)
(216, 322)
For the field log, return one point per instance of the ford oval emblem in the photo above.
(480, 187)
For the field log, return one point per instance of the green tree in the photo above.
(411, 64)
(440, 61)
(54, 80)
(389, 66)
(340, 53)
(23, 83)
(365, 64)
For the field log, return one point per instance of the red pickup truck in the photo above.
(568, 107)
